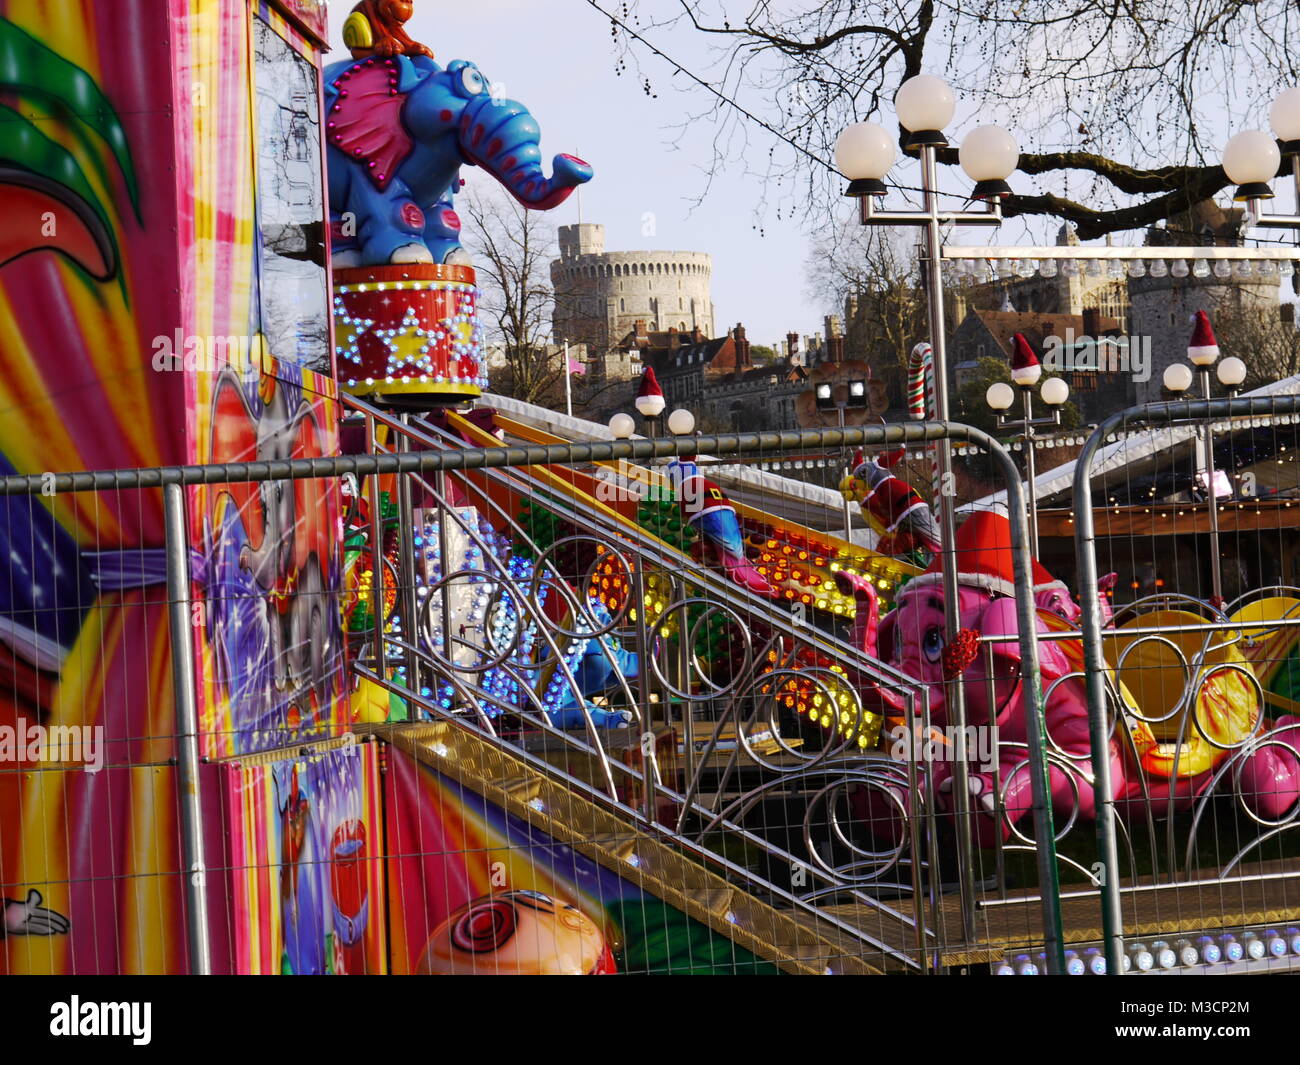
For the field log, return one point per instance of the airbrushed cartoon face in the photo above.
(517, 933)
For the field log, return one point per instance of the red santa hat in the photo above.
(984, 559)
(1025, 369)
(1202, 349)
(1044, 581)
(886, 460)
(649, 384)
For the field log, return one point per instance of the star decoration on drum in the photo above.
(408, 334)
(409, 345)
(348, 331)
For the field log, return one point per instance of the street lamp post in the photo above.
(650, 404)
(1177, 379)
(681, 422)
(826, 400)
(650, 407)
(1251, 159)
(1000, 397)
(864, 154)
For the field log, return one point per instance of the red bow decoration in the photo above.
(960, 653)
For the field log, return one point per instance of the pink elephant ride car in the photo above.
(1145, 772)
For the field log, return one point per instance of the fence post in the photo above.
(187, 728)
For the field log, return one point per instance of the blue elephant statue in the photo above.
(398, 130)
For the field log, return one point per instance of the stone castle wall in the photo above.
(600, 295)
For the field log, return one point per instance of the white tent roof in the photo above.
(1128, 448)
(738, 475)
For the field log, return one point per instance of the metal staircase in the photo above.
(753, 837)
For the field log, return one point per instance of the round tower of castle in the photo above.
(1162, 307)
(600, 296)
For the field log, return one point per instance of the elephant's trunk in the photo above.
(504, 139)
(866, 619)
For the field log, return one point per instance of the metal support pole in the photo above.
(643, 639)
(955, 696)
(568, 383)
(848, 507)
(187, 728)
(1031, 497)
(377, 575)
(1035, 728)
(406, 598)
(1212, 497)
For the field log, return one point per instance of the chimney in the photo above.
(638, 328)
(1092, 321)
(835, 349)
(742, 348)
(791, 346)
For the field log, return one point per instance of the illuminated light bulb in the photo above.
(1276, 943)
(1232, 950)
(924, 103)
(1025, 966)
(1254, 946)
(1142, 959)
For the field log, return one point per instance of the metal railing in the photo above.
(1115, 718)
(774, 648)
(457, 675)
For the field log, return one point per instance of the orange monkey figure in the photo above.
(388, 36)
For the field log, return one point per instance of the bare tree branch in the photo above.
(1149, 79)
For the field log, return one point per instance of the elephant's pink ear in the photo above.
(885, 637)
(365, 121)
(999, 619)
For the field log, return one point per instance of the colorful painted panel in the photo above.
(267, 565)
(474, 890)
(88, 210)
(306, 835)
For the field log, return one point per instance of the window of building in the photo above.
(293, 301)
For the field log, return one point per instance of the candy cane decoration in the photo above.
(920, 382)
(920, 402)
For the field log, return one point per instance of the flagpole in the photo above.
(568, 383)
